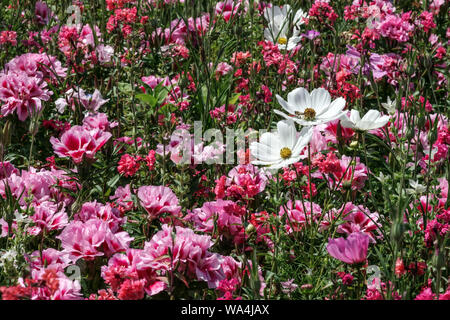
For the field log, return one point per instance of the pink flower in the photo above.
(22, 94)
(225, 215)
(6, 169)
(351, 174)
(79, 142)
(48, 216)
(222, 69)
(53, 258)
(8, 37)
(122, 197)
(125, 266)
(42, 13)
(106, 213)
(157, 200)
(351, 250)
(228, 8)
(128, 165)
(358, 219)
(91, 102)
(40, 65)
(99, 121)
(91, 239)
(182, 250)
(395, 27)
(426, 294)
(299, 214)
(246, 181)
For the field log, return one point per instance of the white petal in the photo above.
(354, 116)
(303, 140)
(287, 133)
(300, 98)
(320, 99)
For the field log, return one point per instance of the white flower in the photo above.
(389, 106)
(279, 26)
(371, 120)
(311, 109)
(416, 188)
(282, 148)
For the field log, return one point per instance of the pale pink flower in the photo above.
(157, 200)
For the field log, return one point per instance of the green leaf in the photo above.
(147, 99)
(234, 99)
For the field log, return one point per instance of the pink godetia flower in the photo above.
(349, 174)
(48, 216)
(180, 249)
(99, 121)
(157, 200)
(122, 197)
(93, 238)
(106, 213)
(91, 102)
(246, 181)
(359, 219)
(80, 143)
(22, 94)
(298, 214)
(40, 65)
(226, 216)
(128, 266)
(351, 250)
(6, 169)
(39, 186)
(228, 9)
(52, 258)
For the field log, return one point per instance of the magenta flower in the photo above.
(351, 250)
(157, 200)
(79, 142)
(42, 13)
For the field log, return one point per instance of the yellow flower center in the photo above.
(282, 40)
(309, 114)
(285, 153)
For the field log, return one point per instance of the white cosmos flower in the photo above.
(371, 120)
(282, 148)
(279, 26)
(311, 109)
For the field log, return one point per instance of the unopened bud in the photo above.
(250, 229)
